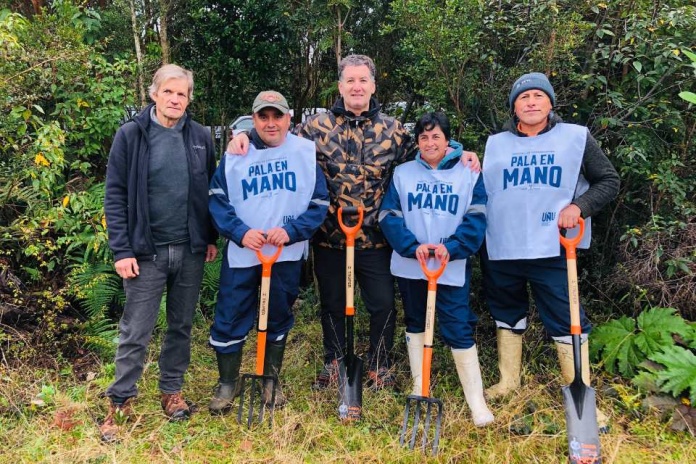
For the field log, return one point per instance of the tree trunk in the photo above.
(138, 54)
(164, 38)
(339, 35)
(340, 25)
(38, 6)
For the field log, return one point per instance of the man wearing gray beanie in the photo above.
(541, 174)
(531, 81)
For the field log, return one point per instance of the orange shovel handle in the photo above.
(268, 260)
(432, 276)
(350, 232)
(429, 322)
(573, 292)
(571, 243)
(266, 264)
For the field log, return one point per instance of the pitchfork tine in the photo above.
(438, 425)
(404, 427)
(416, 423)
(250, 414)
(426, 426)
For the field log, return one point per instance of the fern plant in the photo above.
(97, 287)
(211, 283)
(644, 349)
(100, 336)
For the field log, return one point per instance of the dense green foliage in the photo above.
(62, 101)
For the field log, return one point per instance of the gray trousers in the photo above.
(181, 272)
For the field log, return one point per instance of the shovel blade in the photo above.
(581, 421)
(252, 391)
(350, 389)
(419, 420)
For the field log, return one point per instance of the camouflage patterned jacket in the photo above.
(358, 155)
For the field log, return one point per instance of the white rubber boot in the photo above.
(565, 359)
(469, 372)
(414, 342)
(509, 364)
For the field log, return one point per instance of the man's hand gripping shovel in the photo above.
(579, 399)
(425, 404)
(256, 382)
(350, 367)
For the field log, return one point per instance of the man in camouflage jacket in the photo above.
(357, 148)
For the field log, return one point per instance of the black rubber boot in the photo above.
(229, 384)
(271, 366)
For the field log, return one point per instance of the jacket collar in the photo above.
(339, 109)
(452, 156)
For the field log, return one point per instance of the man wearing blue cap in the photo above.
(541, 174)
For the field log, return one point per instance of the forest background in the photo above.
(71, 72)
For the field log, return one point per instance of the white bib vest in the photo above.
(433, 204)
(268, 188)
(528, 181)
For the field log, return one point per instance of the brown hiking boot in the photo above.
(327, 377)
(175, 407)
(116, 418)
(381, 378)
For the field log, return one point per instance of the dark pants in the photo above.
(508, 300)
(377, 290)
(180, 272)
(238, 303)
(455, 320)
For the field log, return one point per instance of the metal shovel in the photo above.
(256, 382)
(418, 414)
(350, 367)
(579, 399)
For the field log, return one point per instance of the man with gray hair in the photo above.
(156, 206)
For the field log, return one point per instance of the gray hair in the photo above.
(171, 71)
(356, 60)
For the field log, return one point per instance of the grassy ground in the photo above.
(529, 426)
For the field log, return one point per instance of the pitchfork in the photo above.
(425, 402)
(258, 380)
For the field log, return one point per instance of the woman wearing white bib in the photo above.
(436, 202)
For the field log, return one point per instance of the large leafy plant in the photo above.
(656, 350)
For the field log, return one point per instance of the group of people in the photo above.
(167, 201)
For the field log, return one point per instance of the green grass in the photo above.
(308, 430)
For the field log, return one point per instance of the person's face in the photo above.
(171, 100)
(272, 126)
(532, 109)
(356, 87)
(432, 145)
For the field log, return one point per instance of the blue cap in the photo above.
(531, 81)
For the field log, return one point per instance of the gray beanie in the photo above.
(531, 81)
